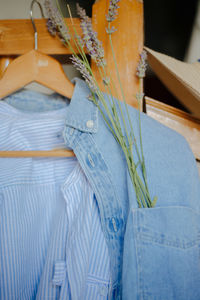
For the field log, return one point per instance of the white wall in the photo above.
(17, 9)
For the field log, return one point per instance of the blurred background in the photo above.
(171, 27)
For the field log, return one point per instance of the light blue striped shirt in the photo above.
(52, 244)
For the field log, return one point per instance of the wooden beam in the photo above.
(17, 37)
(127, 41)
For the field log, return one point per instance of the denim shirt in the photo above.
(154, 252)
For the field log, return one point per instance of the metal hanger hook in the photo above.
(34, 27)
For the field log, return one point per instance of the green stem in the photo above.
(122, 91)
(133, 175)
(140, 130)
(142, 193)
(118, 101)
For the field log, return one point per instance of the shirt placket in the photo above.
(111, 213)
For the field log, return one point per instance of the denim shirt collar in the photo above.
(82, 113)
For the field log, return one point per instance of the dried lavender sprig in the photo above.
(112, 10)
(80, 11)
(110, 30)
(51, 27)
(93, 45)
(80, 40)
(141, 68)
(55, 22)
(80, 66)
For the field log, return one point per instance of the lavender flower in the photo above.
(81, 11)
(80, 40)
(112, 11)
(111, 30)
(51, 27)
(141, 68)
(93, 45)
(139, 96)
(55, 22)
(80, 66)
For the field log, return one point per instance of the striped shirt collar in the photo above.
(81, 113)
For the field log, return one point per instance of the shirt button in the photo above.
(103, 290)
(90, 124)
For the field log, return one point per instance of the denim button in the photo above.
(71, 131)
(115, 293)
(90, 124)
(114, 224)
(90, 161)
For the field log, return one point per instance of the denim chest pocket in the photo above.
(167, 250)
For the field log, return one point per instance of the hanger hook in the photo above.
(34, 27)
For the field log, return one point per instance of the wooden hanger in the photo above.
(35, 66)
(38, 67)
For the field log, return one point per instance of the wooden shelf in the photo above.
(176, 119)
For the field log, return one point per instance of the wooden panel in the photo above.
(127, 40)
(17, 37)
(170, 71)
(178, 120)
